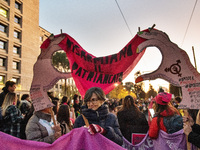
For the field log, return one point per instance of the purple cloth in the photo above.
(77, 139)
(145, 144)
(175, 141)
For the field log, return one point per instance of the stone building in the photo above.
(20, 40)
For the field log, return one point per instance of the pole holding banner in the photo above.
(194, 57)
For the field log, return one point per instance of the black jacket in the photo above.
(103, 118)
(194, 136)
(131, 122)
(2, 95)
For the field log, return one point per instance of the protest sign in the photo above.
(104, 72)
(45, 76)
(175, 67)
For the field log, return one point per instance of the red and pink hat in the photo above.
(163, 98)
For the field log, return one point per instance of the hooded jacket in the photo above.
(104, 119)
(154, 127)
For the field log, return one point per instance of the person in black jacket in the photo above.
(10, 86)
(98, 116)
(192, 130)
(131, 120)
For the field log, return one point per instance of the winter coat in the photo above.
(194, 136)
(132, 122)
(104, 119)
(12, 121)
(36, 131)
(2, 95)
(154, 127)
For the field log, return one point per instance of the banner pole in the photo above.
(52, 115)
(194, 58)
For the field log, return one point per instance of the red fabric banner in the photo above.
(104, 72)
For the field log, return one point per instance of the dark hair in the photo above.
(9, 83)
(75, 97)
(128, 103)
(98, 91)
(24, 96)
(178, 99)
(55, 107)
(64, 99)
(64, 115)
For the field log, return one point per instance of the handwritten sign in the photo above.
(45, 76)
(175, 68)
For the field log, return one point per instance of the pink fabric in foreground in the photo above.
(77, 139)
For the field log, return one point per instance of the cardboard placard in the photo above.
(175, 67)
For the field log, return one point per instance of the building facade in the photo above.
(20, 40)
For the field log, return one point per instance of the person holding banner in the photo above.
(98, 116)
(40, 128)
(163, 111)
(131, 120)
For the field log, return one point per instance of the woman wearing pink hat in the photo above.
(163, 112)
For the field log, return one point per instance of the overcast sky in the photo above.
(98, 25)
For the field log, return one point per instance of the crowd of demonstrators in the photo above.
(112, 118)
(131, 119)
(98, 116)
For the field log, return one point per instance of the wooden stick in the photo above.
(61, 31)
(152, 27)
(194, 58)
(52, 116)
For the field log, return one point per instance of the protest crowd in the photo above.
(115, 119)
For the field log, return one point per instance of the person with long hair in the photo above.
(131, 120)
(163, 109)
(98, 116)
(63, 117)
(12, 115)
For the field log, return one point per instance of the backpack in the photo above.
(173, 123)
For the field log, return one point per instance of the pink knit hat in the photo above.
(163, 98)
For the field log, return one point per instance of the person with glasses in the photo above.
(98, 116)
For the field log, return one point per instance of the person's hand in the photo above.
(57, 135)
(94, 128)
(57, 128)
(189, 120)
(187, 129)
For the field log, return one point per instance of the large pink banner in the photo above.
(77, 139)
(90, 71)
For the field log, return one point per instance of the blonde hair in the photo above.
(8, 100)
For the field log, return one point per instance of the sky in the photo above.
(99, 26)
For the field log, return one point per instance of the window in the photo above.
(16, 49)
(41, 38)
(17, 20)
(15, 65)
(2, 79)
(3, 12)
(2, 62)
(3, 28)
(18, 5)
(17, 34)
(16, 80)
(2, 44)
